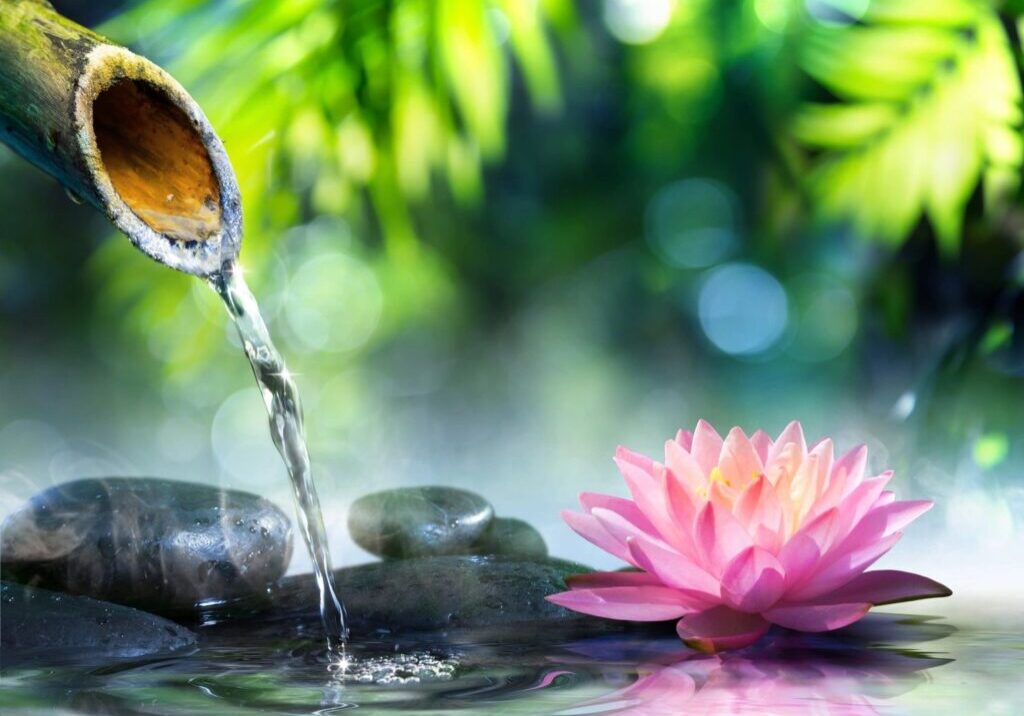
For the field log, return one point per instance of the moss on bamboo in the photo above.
(119, 132)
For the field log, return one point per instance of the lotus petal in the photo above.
(721, 628)
(734, 535)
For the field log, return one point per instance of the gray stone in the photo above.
(420, 594)
(39, 626)
(509, 536)
(419, 521)
(162, 545)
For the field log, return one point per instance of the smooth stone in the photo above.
(510, 536)
(422, 594)
(39, 626)
(419, 521)
(162, 545)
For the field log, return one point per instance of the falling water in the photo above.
(281, 396)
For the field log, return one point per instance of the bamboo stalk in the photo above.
(120, 133)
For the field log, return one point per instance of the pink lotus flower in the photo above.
(732, 536)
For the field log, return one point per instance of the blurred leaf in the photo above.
(352, 108)
(534, 52)
(929, 105)
(996, 337)
(840, 126)
(942, 13)
(475, 69)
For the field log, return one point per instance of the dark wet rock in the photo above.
(509, 536)
(421, 594)
(39, 626)
(161, 545)
(419, 521)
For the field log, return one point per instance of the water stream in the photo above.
(281, 397)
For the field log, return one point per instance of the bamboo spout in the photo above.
(120, 133)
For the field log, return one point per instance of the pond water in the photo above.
(931, 662)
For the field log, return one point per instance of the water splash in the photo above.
(281, 397)
(394, 670)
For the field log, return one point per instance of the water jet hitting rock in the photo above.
(287, 429)
(121, 134)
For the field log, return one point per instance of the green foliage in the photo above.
(349, 95)
(928, 104)
(348, 108)
(378, 112)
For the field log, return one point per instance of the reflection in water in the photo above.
(522, 670)
(793, 673)
(734, 684)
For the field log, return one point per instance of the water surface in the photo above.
(962, 662)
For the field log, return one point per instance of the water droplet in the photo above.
(75, 198)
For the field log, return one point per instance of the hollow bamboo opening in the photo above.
(157, 161)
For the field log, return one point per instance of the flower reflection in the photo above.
(795, 674)
(740, 685)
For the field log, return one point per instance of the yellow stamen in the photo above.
(717, 476)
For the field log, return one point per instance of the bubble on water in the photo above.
(743, 309)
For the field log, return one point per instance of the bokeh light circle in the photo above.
(825, 316)
(180, 438)
(773, 14)
(334, 303)
(693, 223)
(240, 439)
(743, 309)
(637, 22)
